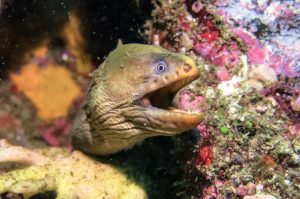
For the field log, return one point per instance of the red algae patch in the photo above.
(51, 89)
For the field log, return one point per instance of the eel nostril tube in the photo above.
(187, 68)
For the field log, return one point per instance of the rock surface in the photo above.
(70, 175)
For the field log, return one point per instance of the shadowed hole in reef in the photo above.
(46, 195)
(163, 162)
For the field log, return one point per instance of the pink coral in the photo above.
(208, 42)
(197, 7)
(183, 24)
(244, 190)
(203, 48)
(204, 132)
(257, 54)
(223, 74)
(227, 55)
(213, 191)
(58, 130)
(209, 36)
(294, 129)
(189, 102)
(291, 68)
(276, 62)
(245, 36)
(218, 55)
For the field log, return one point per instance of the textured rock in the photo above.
(72, 175)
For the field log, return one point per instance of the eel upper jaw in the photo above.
(161, 110)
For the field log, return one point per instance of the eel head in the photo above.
(131, 98)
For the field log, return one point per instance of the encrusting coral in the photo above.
(52, 100)
(70, 175)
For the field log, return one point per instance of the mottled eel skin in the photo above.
(129, 99)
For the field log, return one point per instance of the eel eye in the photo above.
(161, 67)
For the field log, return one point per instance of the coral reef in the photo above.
(56, 170)
(248, 90)
(248, 55)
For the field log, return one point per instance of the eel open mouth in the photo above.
(159, 104)
(162, 98)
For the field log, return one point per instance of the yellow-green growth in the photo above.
(72, 176)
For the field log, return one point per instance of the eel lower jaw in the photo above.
(174, 120)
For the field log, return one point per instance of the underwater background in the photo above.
(248, 52)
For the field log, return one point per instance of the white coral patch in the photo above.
(230, 87)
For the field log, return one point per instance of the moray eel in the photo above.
(130, 99)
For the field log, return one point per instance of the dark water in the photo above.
(25, 24)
